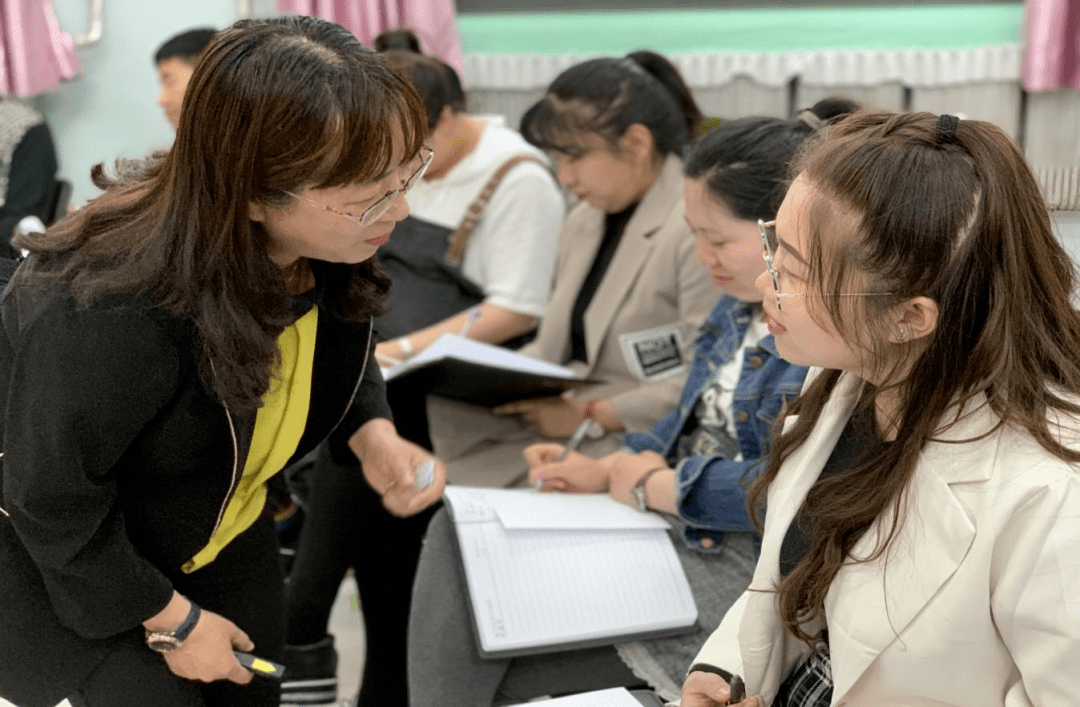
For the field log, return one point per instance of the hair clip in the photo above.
(947, 125)
(811, 119)
(632, 66)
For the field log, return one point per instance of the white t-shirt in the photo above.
(511, 254)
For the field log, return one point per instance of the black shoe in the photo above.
(310, 674)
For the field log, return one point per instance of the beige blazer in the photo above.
(654, 281)
(978, 603)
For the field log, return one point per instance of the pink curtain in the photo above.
(1051, 44)
(433, 21)
(35, 54)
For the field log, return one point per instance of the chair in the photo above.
(61, 197)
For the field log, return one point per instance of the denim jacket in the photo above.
(709, 494)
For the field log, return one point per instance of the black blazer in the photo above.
(117, 460)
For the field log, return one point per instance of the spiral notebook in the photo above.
(549, 571)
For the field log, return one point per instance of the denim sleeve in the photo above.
(711, 496)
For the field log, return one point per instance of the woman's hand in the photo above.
(702, 689)
(390, 463)
(554, 417)
(207, 654)
(576, 473)
(626, 468)
(389, 353)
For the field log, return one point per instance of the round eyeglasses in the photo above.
(381, 206)
(769, 243)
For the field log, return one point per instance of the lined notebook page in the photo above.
(548, 588)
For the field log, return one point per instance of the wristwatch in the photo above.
(639, 488)
(168, 641)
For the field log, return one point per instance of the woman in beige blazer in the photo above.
(923, 499)
(615, 129)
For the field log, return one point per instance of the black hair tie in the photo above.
(947, 125)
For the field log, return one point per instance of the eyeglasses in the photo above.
(769, 241)
(381, 206)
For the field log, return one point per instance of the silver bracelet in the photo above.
(406, 346)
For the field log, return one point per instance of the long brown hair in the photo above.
(273, 106)
(955, 216)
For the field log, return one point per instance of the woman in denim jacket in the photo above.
(691, 465)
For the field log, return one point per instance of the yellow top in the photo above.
(279, 424)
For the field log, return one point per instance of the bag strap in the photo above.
(460, 237)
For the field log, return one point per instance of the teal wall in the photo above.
(110, 110)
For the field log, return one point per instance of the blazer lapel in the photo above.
(577, 250)
(767, 647)
(869, 605)
(631, 255)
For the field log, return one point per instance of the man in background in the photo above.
(176, 60)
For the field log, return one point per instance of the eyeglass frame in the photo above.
(381, 206)
(770, 266)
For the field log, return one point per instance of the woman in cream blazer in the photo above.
(977, 604)
(920, 543)
(652, 296)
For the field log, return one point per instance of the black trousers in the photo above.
(245, 585)
(346, 525)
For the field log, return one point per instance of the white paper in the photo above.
(523, 509)
(615, 697)
(548, 588)
(454, 346)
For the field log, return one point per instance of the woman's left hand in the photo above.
(625, 469)
(555, 417)
(390, 464)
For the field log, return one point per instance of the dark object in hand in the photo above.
(737, 690)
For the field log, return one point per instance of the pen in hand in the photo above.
(474, 314)
(571, 444)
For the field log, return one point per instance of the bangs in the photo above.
(360, 145)
(558, 125)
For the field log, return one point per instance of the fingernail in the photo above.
(538, 484)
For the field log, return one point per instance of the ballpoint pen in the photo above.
(474, 314)
(571, 444)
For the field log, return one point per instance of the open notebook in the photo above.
(551, 571)
(474, 372)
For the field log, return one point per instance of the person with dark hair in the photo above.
(398, 38)
(172, 346)
(175, 61)
(628, 290)
(502, 283)
(508, 254)
(920, 541)
(27, 171)
(691, 465)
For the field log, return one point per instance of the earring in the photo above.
(901, 335)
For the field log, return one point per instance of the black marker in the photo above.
(737, 690)
(260, 666)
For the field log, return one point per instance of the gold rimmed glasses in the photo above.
(381, 206)
(769, 242)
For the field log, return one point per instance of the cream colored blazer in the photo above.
(978, 601)
(653, 281)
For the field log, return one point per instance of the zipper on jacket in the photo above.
(236, 461)
(236, 444)
(363, 370)
(2, 511)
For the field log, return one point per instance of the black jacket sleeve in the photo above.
(84, 383)
(32, 181)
